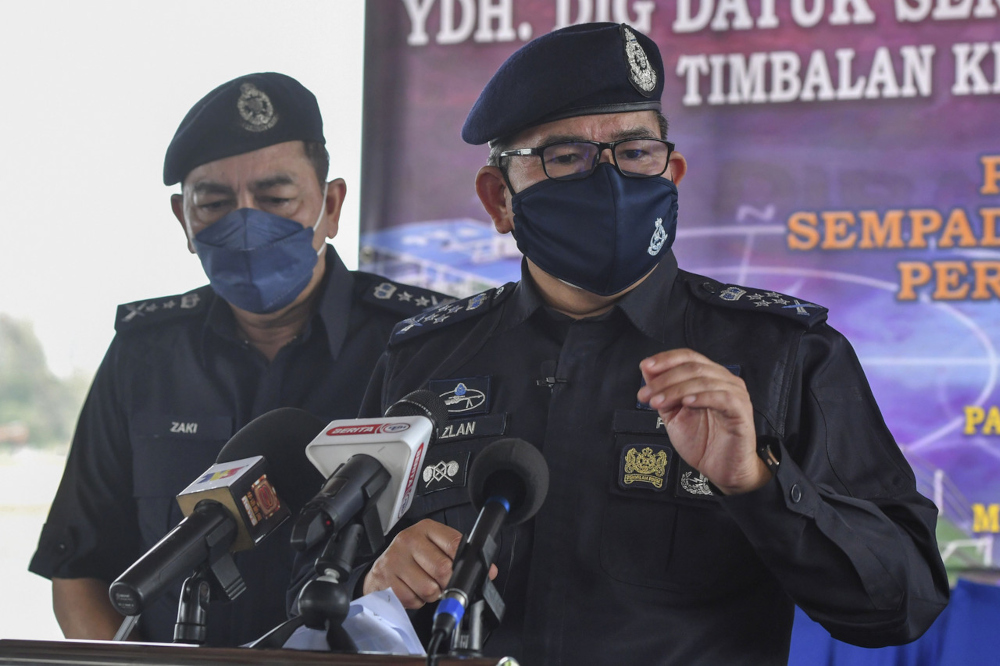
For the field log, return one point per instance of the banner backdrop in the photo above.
(846, 152)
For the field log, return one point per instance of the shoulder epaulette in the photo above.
(450, 313)
(158, 310)
(757, 300)
(403, 299)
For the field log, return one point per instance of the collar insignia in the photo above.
(255, 109)
(642, 76)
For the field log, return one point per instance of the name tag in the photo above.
(491, 425)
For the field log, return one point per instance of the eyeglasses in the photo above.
(570, 160)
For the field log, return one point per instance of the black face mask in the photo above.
(601, 233)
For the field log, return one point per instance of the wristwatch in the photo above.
(769, 451)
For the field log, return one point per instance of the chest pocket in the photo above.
(168, 453)
(442, 488)
(662, 528)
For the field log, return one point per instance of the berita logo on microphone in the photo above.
(418, 460)
(367, 429)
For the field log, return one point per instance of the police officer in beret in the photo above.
(282, 323)
(715, 452)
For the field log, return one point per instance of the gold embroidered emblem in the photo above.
(645, 467)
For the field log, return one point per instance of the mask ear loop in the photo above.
(322, 214)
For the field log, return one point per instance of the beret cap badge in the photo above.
(642, 75)
(255, 109)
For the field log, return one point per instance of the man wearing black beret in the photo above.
(283, 323)
(715, 453)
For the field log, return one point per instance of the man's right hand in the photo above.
(417, 564)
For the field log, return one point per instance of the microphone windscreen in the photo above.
(281, 436)
(420, 403)
(513, 469)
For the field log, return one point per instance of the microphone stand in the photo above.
(483, 616)
(192, 610)
(217, 579)
(325, 601)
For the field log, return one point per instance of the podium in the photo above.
(106, 653)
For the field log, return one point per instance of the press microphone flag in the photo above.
(369, 460)
(230, 507)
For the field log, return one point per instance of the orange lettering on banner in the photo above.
(949, 277)
(912, 274)
(923, 222)
(957, 227)
(876, 233)
(991, 171)
(973, 417)
(987, 274)
(837, 236)
(990, 216)
(986, 517)
(802, 232)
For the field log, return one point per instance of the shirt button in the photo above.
(708, 286)
(61, 548)
(795, 493)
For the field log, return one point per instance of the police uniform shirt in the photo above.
(177, 382)
(633, 557)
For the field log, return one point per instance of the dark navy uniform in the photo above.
(634, 558)
(177, 382)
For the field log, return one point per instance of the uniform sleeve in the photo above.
(91, 530)
(841, 525)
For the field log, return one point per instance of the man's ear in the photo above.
(177, 205)
(493, 192)
(678, 166)
(336, 190)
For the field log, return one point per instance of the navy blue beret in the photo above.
(242, 115)
(575, 71)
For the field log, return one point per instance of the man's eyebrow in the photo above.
(208, 187)
(272, 181)
(631, 133)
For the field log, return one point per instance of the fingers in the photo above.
(684, 378)
(417, 564)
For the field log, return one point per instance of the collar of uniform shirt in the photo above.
(645, 306)
(648, 305)
(335, 301)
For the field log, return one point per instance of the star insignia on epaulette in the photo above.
(403, 298)
(158, 309)
(746, 298)
(445, 314)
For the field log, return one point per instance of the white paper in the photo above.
(376, 622)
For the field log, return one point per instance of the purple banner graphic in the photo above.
(843, 151)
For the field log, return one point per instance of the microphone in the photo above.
(232, 506)
(508, 482)
(369, 461)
